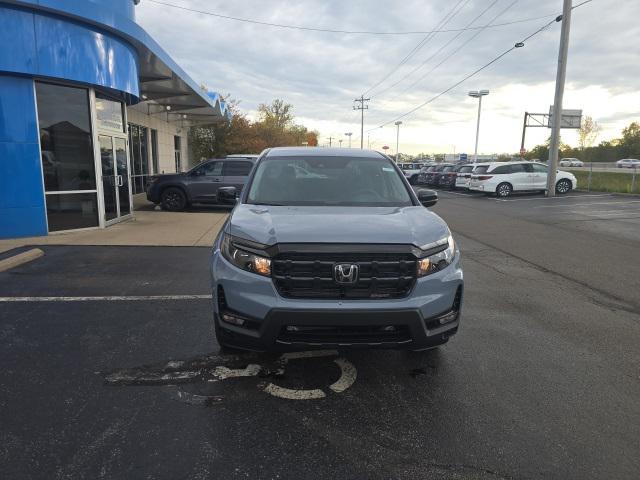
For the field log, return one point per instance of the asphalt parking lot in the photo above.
(119, 375)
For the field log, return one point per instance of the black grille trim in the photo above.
(382, 275)
(345, 334)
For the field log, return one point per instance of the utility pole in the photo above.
(398, 123)
(348, 134)
(561, 76)
(330, 138)
(340, 141)
(362, 107)
(524, 133)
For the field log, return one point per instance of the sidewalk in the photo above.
(195, 228)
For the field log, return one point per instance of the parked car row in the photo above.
(411, 171)
(495, 178)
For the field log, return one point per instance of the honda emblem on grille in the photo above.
(345, 273)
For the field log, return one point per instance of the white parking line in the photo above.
(607, 213)
(463, 194)
(548, 198)
(133, 298)
(618, 211)
(571, 205)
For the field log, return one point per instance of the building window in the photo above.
(139, 157)
(68, 163)
(177, 143)
(109, 114)
(154, 151)
(72, 210)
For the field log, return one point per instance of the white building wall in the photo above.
(166, 131)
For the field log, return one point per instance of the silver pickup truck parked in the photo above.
(333, 249)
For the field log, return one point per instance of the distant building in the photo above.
(462, 157)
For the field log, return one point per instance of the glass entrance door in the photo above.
(115, 177)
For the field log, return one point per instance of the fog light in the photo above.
(233, 319)
(449, 317)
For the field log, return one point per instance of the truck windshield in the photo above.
(323, 181)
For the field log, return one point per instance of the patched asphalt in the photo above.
(542, 380)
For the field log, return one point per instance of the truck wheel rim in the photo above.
(173, 200)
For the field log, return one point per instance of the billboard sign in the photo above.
(570, 118)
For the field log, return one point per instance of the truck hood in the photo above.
(269, 225)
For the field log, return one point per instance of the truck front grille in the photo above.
(311, 275)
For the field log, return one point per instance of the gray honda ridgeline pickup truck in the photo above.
(332, 248)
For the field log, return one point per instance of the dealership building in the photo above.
(90, 106)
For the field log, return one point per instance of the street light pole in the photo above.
(348, 134)
(398, 123)
(478, 94)
(556, 118)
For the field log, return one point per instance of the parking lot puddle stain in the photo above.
(195, 399)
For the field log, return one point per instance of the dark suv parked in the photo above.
(201, 184)
(447, 177)
(433, 177)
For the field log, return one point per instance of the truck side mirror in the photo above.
(428, 198)
(227, 195)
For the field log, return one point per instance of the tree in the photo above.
(275, 127)
(588, 132)
(630, 141)
(277, 115)
(312, 138)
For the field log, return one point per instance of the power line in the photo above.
(456, 50)
(351, 32)
(446, 19)
(517, 45)
(386, 89)
(475, 72)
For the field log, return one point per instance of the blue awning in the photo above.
(164, 86)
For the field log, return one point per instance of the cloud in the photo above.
(321, 73)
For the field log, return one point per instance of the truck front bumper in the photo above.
(250, 314)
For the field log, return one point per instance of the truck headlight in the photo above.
(244, 259)
(437, 261)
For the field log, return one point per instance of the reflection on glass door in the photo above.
(109, 179)
(115, 177)
(123, 174)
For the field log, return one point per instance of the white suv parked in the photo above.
(505, 178)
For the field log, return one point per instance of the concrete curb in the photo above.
(20, 258)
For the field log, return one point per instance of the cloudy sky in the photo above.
(321, 73)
